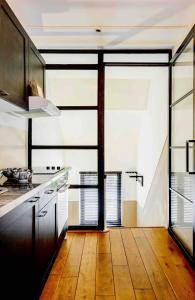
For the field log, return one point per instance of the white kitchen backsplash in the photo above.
(13, 141)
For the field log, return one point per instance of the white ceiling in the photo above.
(124, 23)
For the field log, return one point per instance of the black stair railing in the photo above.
(138, 178)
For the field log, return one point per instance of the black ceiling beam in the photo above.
(89, 107)
(114, 51)
(64, 147)
(71, 67)
(136, 64)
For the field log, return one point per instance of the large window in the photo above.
(89, 198)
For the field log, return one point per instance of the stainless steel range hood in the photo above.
(38, 107)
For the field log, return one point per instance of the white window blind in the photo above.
(89, 199)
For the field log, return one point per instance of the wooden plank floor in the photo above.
(122, 264)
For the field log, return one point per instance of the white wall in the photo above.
(152, 137)
(155, 209)
(121, 146)
(13, 141)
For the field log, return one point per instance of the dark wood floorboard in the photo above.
(122, 264)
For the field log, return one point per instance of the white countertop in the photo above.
(16, 196)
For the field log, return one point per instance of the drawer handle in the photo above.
(35, 199)
(4, 93)
(43, 214)
(49, 192)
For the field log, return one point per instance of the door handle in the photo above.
(188, 155)
(43, 214)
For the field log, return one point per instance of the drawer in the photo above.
(46, 195)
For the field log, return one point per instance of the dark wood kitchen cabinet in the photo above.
(46, 243)
(17, 251)
(13, 58)
(20, 61)
(30, 238)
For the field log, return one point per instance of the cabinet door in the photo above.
(36, 66)
(62, 208)
(13, 58)
(46, 239)
(17, 244)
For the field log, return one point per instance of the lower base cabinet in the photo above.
(17, 252)
(46, 240)
(29, 242)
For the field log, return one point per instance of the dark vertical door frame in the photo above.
(30, 143)
(189, 37)
(193, 216)
(101, 88)
(169, 139)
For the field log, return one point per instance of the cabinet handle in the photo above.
(35, 199)
(4, 93)
(43, 214)
(49, 192)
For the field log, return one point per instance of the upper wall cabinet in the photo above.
(13, 58)
(19, 59)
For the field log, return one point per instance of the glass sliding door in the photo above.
(76, 137)
(182, 147)
(75, 82)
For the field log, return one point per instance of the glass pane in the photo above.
(179, 159)
(72, 87)
(83, 212)
(133, 89)
(136, 57)
(181, 181)
(69, 58)
(183, 73)
(181, 219)
(78, 160)
(71, 128)
(182, 122)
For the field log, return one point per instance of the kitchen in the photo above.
(80, 172)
